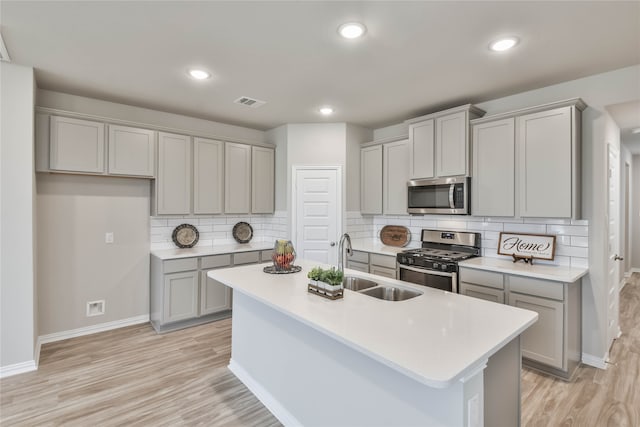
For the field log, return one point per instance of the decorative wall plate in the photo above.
(185, 236)
(395, 235)
(242, 232)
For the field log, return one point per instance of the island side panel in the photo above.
(307, 378)
(502, 386)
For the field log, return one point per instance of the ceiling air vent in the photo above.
(250, 102)
(4, 55)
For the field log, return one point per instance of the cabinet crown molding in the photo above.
(472, 109)
(578, 103)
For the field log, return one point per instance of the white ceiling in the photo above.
(416, 57)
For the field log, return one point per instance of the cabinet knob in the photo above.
(332, 244)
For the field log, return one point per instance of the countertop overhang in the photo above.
(437, 338)
(556, 273)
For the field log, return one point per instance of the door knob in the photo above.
(332, 243)
(618, 258)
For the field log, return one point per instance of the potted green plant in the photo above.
(333, 281)
(314, 276)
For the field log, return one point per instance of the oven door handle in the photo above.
(426, 271)
(452, 203)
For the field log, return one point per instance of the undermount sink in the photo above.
(391, 294)
(357, 283)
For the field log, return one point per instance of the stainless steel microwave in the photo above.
(449, 196)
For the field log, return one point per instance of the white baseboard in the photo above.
(18, 368)
(88, 330)
(266, 398)
(596, 362)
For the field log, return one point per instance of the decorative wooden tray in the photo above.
(395, 235)
(325, 294)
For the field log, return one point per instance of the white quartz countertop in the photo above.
(556, 273)
(211, 250)
(376, 247)
(437, 338)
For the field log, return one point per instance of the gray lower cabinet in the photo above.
(381, 265)
(553, 343)
(543, 341)
(183, 295)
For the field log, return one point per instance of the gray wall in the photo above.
(74, 213)
(635, 213)
(75, 265)
(79, 104)
(18, 329)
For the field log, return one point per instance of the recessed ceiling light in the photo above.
(326, 111)
(352, 30)
(503, 44)
(199, 74)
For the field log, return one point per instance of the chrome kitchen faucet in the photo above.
(341, 248)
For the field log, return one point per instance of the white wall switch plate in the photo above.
(108, 237)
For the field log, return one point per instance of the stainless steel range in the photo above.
(435, 264)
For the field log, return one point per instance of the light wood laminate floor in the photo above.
(134, 377)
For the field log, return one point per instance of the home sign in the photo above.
(527, 246)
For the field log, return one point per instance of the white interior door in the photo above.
(317, 216)
(613, 221)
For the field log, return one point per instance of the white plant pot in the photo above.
(332, 289)
(323, 286)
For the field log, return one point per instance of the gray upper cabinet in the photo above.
(237, 166)
(371, 180)
(395, 173)
(545, 163)
(262, 180)
(76, 145)
(452, 144)
(173, 184)
(526, 163)
(208, 176)
(439, 143)
(493, 188)
(131, 151)
(422, 149)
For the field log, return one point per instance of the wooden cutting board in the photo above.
(395, 235)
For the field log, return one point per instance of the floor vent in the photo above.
(249, 102)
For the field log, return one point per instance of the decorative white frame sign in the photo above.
(527, 246)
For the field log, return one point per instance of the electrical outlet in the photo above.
(108, 237)
(95, 308)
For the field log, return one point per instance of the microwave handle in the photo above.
(452, 203)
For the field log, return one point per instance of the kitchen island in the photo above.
(439, 359)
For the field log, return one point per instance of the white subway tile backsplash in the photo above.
(525, 228)
(484, 225)
(573, 251)
(448, 224)
(579, 241)
(580, 262)
(571, 230)
(579, 222)
(558, 221)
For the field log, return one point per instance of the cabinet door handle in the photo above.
(618, 258)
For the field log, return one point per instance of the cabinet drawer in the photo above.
(354, 265)
(537, 287)
(265, 256)
(246, 258)
(359, 256)
(482, 292)
(383, 271)
(182, 264)
(215, 261)
(383, 260)
(483, 278)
